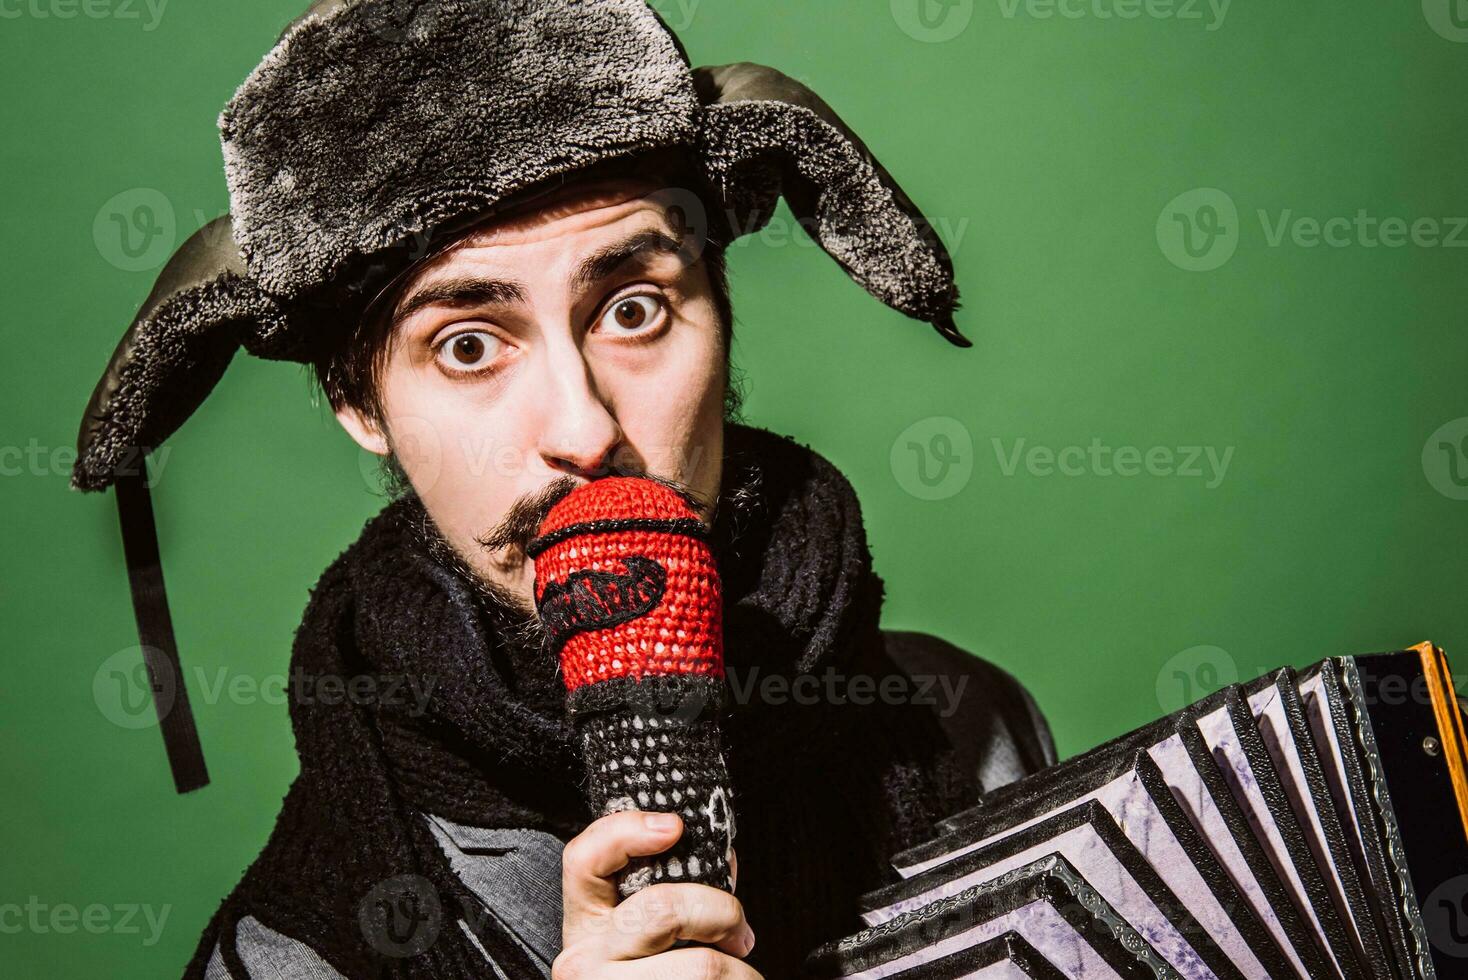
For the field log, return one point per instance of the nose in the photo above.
(581, 435)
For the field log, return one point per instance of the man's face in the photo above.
(554, 346)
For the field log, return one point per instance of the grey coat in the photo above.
(994, 724)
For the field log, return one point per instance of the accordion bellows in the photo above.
(1309, 824)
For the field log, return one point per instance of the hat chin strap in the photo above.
(155, 630)
(201, 308)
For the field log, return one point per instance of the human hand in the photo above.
(635, 938)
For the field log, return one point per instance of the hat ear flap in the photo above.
(202, 307)
(765, 135)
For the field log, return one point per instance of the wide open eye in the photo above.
(469, 351)
(633, 314)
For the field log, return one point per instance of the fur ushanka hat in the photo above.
(375, 130)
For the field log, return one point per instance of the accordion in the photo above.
(1311, 824)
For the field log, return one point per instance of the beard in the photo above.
(524, 639)
(517, 622)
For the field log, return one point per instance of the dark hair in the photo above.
(348, 370)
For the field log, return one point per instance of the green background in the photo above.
(1045, 149)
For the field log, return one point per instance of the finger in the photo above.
(590, 860)
(700, 962)
(655, 918)
(733, 869)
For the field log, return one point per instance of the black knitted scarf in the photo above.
(824, 792)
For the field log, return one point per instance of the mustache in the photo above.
(522, 521)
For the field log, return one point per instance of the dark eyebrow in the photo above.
(480, 291)
(460, 291)
(610, 258)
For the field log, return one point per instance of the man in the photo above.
(504, 314)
